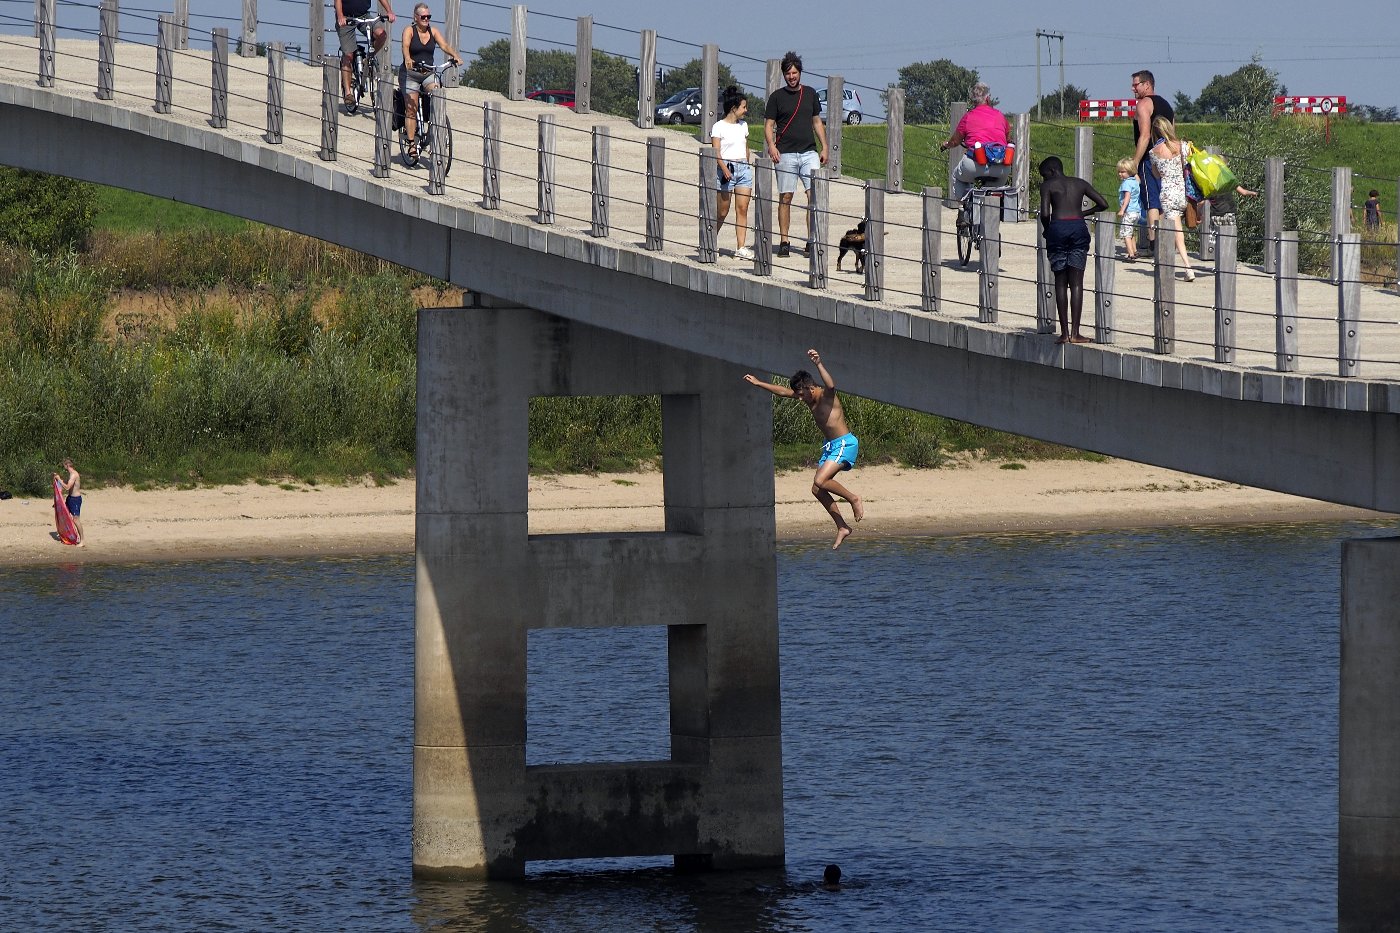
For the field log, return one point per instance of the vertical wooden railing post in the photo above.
(955, 154)
(894, 137)
(931, 290)
(1164, 287)
(383, 124)
(275, 53)
(1397, 230)
(491, 155)
(874, 240)
(451, 22)
(1273, 210)
(515, 81)
(437, 155)
(989, 275)
(1349, 305)
(1227, 239)
(1084, 153)
(248, 41)
(772, 76)
(1044, 285)
(106, 48)
(181, 36)
(709, 235)
(330, 108)
(1105, 271)
(835, 122)
(583, 66)
(544, 193)
(709, 89)
(762, 207)
(1021, 168)
(164, 35)
(656, 192)
(1286, 302)
(601, 139)
(316, 32)
(817, 235)
(218, 79)
(646, 81)
(47, 44)
(1341, 217)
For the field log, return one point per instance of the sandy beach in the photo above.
(124, 525)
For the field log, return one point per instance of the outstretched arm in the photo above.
(816, 359)
(780, 391)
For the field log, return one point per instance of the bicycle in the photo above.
(969, 222)
(362, 70)
(448, 75)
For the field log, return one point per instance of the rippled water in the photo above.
(1070, 731)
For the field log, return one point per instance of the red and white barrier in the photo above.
(1107, 109)
(1319, 105)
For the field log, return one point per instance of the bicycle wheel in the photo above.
(371, 80)
(966, 234)
(408, 160)
(357, 83)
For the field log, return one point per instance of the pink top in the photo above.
(983, 124)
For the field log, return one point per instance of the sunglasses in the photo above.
(425, 16)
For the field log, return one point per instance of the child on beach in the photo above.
(1129, 194)
(839, 452)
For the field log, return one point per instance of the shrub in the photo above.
(45, 213)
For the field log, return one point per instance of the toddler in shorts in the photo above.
(1128, 205)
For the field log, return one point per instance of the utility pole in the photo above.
(1043, 34)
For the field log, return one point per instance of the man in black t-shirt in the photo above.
(345, 11)
(792, 127)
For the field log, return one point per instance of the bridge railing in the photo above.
(657, 190)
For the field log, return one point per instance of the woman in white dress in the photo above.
(1167, 159)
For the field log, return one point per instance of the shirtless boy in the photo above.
(1062, 213)
(839, 452)
(73, 496)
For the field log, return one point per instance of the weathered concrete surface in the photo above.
(483, 582)
(1368, 827)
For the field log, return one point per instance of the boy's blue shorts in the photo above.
(843, 449)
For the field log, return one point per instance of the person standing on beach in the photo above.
(792, 127)
(73, 495)
(841, 447)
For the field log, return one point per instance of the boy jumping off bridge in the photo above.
(839, 452)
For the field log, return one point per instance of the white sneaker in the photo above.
(743, 252)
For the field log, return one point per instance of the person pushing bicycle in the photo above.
(345, 13)
(421, 40)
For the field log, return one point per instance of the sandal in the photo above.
(413, 148)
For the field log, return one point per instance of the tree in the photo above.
(614, 80)
(1243, 87)
(46, 213)
(689, 75)
(1069, 96)
(930, 87)
(1185, 109)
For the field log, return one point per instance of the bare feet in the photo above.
(1063, 338)
(841, 535)
(1078, 339)
(857, 507)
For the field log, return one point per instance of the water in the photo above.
(1069, 731)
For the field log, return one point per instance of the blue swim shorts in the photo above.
(740, 176)
(75, 505)
(1067, 244)
(843, 449)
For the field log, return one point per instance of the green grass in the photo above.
(122, 211)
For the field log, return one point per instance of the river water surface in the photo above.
(1053, 731)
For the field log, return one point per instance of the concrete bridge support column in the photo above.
(1368, 830)
(483, 582)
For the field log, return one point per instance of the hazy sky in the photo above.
(1351, 48)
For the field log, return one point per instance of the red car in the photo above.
(562, 98)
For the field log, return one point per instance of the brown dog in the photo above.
(853, 242)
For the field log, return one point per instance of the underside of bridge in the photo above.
(484, 582)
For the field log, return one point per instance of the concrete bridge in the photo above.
(591, 270)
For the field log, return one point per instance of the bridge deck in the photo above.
(134, 84)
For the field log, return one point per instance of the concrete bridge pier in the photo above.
(1368, 831)
(483, 582)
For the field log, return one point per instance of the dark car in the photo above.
(562, 98)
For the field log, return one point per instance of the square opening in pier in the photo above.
(595, 464)
(597, 695)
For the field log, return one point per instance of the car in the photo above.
(562, 98)
(850, 105)
(681, 107)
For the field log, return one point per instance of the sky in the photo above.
(1349, 48)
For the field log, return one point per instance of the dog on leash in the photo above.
(853, 242)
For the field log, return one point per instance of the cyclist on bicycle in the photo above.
(421, 40)
(983, 128)
(345, 13)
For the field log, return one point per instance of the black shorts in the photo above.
(1067, 243)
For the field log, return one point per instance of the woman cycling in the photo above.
(421, 40)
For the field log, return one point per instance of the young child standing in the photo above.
(1373, 211)
(841, 447)
(1129, 196)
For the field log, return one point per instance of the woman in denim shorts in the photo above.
(730, 137)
